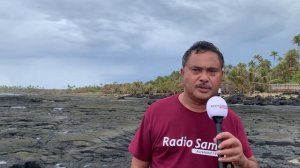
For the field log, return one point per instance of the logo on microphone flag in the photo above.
(220, 106)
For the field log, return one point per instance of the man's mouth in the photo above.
(203, 87)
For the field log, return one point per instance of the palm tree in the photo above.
(237, 78)
(227, 70)
(279, 59)
(264, 72)
(296, 40)
(283, 71)
(274, 54)
(258, 57)
(287, 67)
(252, 67)
(292, 57)
(174, 82)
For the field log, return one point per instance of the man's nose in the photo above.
(203, 76)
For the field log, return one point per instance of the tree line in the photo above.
(244, 78)
(162, 85)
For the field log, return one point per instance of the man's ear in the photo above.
(181, 71)
(223, 74)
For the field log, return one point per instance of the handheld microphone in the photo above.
(217, 109)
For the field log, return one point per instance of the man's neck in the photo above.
(194, 105)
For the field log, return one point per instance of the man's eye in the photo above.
(212, 70)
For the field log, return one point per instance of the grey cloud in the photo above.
(124, 40)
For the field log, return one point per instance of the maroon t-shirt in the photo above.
(170, 135)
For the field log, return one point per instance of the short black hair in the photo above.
(202, 46)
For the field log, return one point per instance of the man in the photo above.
(176, 132)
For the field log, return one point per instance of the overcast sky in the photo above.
(53, 43)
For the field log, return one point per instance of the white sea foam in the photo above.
(59, 165)
(295, 161)
(58, 109)
(18, 107)
(2, 162)
(17, 94)
(9, 94)
(64, 132)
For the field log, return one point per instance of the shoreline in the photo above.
(261, 99)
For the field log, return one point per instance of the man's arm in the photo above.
(136, 163)
(232, 150)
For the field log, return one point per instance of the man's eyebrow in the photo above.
(205, 67)
(195, 66)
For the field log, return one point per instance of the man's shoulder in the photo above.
(164, 104)
(165, 101)
(162, 109)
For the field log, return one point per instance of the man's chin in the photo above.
(204, 96)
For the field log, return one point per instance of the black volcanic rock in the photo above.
(262, 101)
(75, 131)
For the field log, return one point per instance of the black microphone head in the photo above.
(216, 107)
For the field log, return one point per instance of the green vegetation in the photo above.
(162, 85)
(258, 74)
(243, 78)
(13, 89)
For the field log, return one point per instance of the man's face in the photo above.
(202, 75)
